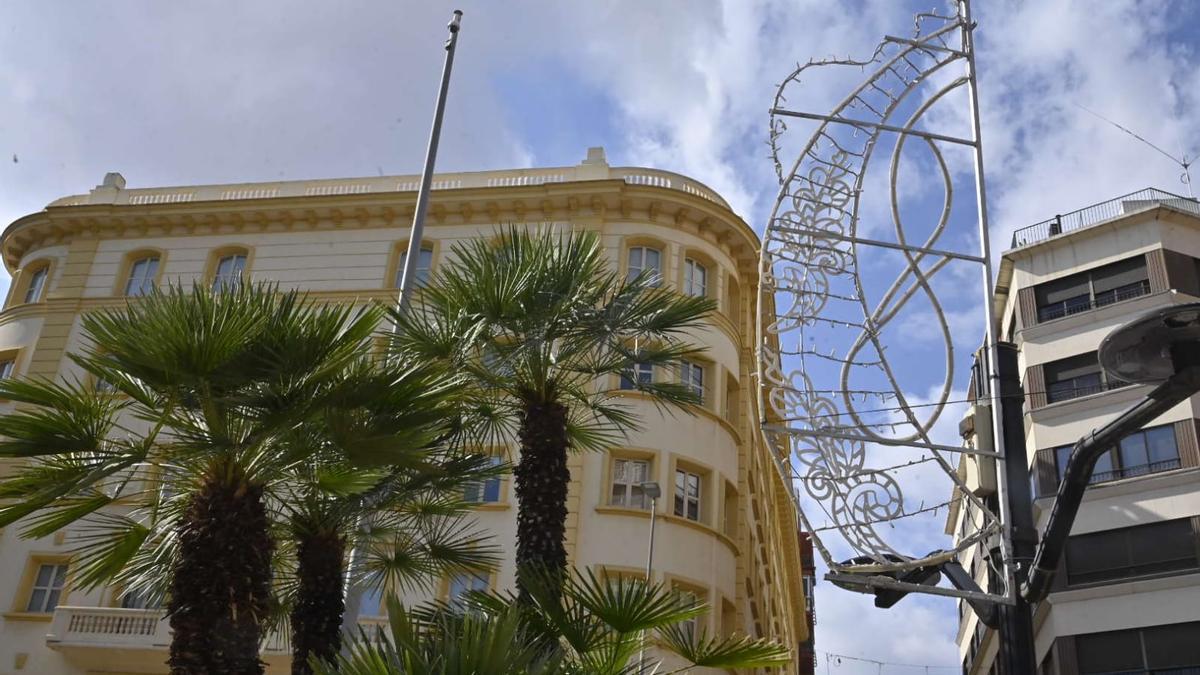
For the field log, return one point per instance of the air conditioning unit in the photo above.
(978, 471)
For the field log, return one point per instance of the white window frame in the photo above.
(683, 499)
(233, 277)
(143, 273)
(7, 368)
(51, 589)
(690, 626)
(695, 278)
(423, 270)
(37, 284)
(634, 269)
(626, 484)
(643, 373)
(464, 582)
(691, 375)
(480, 488)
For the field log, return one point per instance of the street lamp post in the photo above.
(652, 490)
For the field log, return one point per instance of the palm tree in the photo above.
(206, 391)
(542, 324)
(416, 532)
(589, 626)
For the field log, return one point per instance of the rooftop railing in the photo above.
(378, 184)
(1090, 215)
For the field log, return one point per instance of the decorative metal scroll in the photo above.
(823, 314)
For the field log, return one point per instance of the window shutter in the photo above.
(1065, 656)
(1186, 440)
(1027, 306)
(1059, 582)
(1182, 272)
(1119, 274)
(1035, 387)
(1156, 267)
(1065, 288)
(1047, 476)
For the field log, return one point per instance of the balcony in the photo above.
(1085, 303)
(1134, 471)
(1079, 387)
(136, 640)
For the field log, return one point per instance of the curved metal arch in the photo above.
(811, 244)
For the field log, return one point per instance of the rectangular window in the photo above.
(466, 582)
(627, 478)
(687, 495)
(691, 375)
(486, 491)
(6, 368)
(648, 260)
(1094, 288)
(642, 373)
(371, 603)
(142, 274)
(1141, 453)
(140, 600)
(695, 278)
(47, 587)
(37, 283)
(1076, 376)
(1168, 649)
(688, 598)
(1130, 552)
(229, 272)
(424, 270)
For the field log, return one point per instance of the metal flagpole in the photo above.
(353, 593)
(418, 225)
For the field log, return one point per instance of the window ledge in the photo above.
(1130, 586)
(28, 616)
(490, 506)
(1140, 485)
(670, 518)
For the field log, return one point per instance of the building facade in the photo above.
(726, 534)
(1126, 595)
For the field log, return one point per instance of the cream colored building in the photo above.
(731, 540)
(1126, 596)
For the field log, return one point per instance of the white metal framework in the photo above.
(844, 425)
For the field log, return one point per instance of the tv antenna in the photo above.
(1183, 161)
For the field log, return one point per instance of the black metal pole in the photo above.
(1016, 654)
(1182, 385)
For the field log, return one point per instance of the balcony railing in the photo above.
(1084, 303)
(1095, 213)
(116, 627)
(1069, 389)
(1135, 470)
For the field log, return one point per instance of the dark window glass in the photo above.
(1130, 552)
(1173, 649)
(1173, 646)
(1094, 288)
(1111, 652)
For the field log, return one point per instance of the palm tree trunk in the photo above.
(317, 615)
(220, 587)
(541, 486)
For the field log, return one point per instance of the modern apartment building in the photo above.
(726, 529)
(1126, 596)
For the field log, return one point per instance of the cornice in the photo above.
(597, 200)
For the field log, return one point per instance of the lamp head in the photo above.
(1146, 349)
(652, 490)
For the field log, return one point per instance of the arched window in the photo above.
(143, 276)
(229, 271)
(695, 278)
(423, 270)
(645, 259)
(37, 283)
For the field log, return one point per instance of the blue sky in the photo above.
(175, 93)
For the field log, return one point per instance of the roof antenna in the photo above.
(1183, 162)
